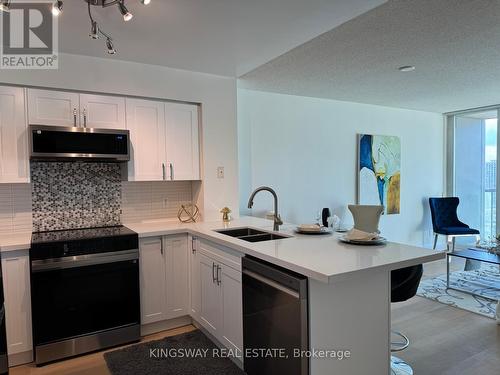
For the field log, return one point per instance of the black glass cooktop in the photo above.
(80, 234)
(73, 242)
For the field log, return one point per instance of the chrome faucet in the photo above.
(277, 218)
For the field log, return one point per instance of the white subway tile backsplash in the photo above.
(154, 200)
(15, 208)
(139, 201)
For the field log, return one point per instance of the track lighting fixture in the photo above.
(127, 16)
(94, 30)
(57, 7)
(109, 45)
(5, 5)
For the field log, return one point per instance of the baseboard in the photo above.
(165, 325)
(22, 358)
(236, 361)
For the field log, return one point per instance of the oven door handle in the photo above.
(43, 265)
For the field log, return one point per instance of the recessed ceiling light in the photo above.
(406, 68)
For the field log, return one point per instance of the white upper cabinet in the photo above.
(102, 111)
(146, 123)
(13, 136)
(56, 108)
(183, 147)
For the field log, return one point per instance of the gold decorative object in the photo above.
(188, 213)
(225, 214)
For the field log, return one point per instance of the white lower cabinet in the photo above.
(220, 299)
(184, 275)
(210, 313)
(17, 294)
(163, 278)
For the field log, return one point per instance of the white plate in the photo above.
(322, 231)
(378, 241)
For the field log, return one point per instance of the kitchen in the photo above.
(189, 273)
(126, 190)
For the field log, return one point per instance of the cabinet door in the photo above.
(146, 123)
(56, 108)
(152, 280)
(195, 284)
(177, 275)
(183, 150)
(102, 111)
(13, 136)
(232, 308)
(211, 307)
(16, 288)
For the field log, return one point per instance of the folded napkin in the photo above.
(359, 235)
(310, 227)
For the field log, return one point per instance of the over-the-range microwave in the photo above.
(73, 143)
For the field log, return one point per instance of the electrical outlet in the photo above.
(220, 172)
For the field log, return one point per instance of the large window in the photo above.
(472, 157)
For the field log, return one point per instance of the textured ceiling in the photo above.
(454, 44)
(225, 37)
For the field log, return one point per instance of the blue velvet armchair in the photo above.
(445, 220)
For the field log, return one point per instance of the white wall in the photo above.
(217, 95)
(306, 149)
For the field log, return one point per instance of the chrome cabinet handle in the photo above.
(74, 117)
(218, 274)
(171, 171)
(84, 118)
(213, 272)
(193, 245)
(161, 246)
(163, 170)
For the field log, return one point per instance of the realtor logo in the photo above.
(29, 36)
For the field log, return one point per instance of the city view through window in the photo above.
(475, 166)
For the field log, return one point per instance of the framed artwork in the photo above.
(379, 171)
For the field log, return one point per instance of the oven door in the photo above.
(84, 295)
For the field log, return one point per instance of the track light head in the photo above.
(127, 16)
(94, 30)
(145, 2)
(5, 5)
(57, 7)
(109, 45)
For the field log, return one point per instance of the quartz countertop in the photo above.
(15, 241)
(321, 257)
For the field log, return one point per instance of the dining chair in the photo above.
(366, 217)
(445, 221)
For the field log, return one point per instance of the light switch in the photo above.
(220, 172)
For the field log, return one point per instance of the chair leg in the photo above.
(453, 244)
(435, 241)
(448, 244)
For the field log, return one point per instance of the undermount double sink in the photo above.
(251, 235)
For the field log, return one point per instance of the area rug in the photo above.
(485, 281)
(190, 353)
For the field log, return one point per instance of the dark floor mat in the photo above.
(156, 358)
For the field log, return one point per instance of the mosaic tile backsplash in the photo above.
(75, 195)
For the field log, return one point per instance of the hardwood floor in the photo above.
(92, 364)
(443, 340)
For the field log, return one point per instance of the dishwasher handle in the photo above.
(271, 283)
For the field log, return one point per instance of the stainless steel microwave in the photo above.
(71, 143)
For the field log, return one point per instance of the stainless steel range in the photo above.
(84, 291)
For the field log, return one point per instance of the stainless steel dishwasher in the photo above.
(275, 319)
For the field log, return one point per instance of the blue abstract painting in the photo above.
(379, 171)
